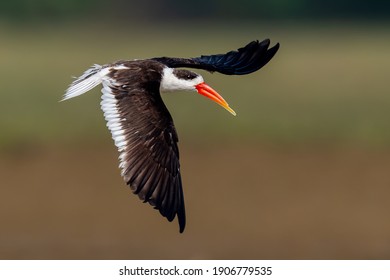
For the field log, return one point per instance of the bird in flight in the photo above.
(140, 123)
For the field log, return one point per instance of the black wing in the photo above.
(144, 133)
(243, 61)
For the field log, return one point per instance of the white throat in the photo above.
(169, 82)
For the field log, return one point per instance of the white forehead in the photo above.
(170, 82)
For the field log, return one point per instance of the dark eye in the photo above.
(184, 74)
(191, 76)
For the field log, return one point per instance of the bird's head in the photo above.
(180, 79)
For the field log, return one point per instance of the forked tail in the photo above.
(90, 79)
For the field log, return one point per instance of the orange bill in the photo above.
(207, 91)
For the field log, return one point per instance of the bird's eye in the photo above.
(184, 74)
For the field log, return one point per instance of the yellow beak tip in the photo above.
(231, 111)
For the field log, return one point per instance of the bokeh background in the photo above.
(303, 171)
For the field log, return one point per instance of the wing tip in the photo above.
(272, 51)
(181, 216)
(276, 47)
(266, 43)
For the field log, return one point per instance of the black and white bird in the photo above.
(140, 123)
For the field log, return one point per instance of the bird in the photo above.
(141, 125)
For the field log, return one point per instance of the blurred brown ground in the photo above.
(243, 202)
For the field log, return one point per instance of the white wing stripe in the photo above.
(109, 105)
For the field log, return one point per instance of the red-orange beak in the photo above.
(207, 91)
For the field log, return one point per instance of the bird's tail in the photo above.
(90, 79)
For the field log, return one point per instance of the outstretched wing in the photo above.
(245, 60)
(145, 136)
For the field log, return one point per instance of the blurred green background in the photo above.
(303, 171)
